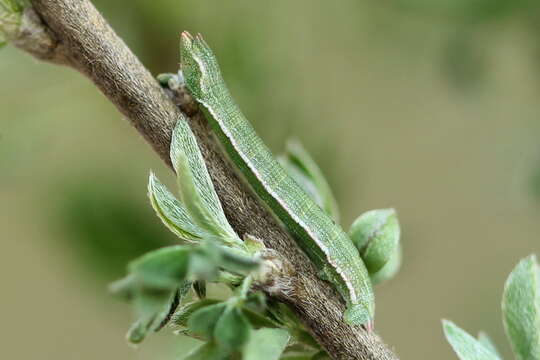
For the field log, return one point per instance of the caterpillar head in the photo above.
(199, 65)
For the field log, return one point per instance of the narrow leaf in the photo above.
(465, 346)
(266, 344)
(196, 188)
(488, 343)
(521, 309)
(171, 212)
(232, 329)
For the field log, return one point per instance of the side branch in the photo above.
(73, 33)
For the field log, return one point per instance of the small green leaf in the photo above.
(196, 188)
(203, 321)
(207, 351)
(163, 268)
(154, 307)
(465, 346)
(232, 329)
(521, 309)
(266, 344)
(390, 269)
(376, 235)
(488, 343)
(180, 317)
(153, 312)
(298, 158)
(137, 332)
(171, 212)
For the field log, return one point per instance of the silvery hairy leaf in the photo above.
(465, 346)
(196, 188)
(521, 309)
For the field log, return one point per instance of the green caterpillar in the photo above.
(315, 232)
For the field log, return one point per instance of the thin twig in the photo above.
(73, 33)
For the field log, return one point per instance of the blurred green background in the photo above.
(429, 107)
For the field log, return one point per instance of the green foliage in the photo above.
(466, 346)
(376, 235)
(203, 321)
(242, 324)
(160, 283)
(485, 340)
(196, 188)
(181, 317)
(163, 268)
(171, 212)
(153, 305)
(232, 330)
(153, 310)
(266, 344)
(207, 351)
(521, 309)
(390, 269)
